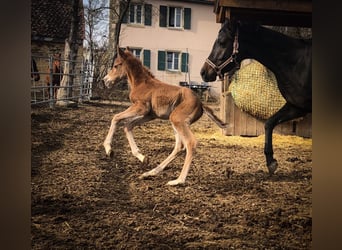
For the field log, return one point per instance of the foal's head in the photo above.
(118, 71)
(222, 56)
(126, 64)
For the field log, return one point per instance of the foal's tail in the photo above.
(213, 117)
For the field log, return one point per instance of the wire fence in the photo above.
(78, 87)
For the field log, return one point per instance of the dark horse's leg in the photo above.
(286, 113)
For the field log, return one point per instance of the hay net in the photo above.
(255, 91)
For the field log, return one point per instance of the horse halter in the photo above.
(232, 58)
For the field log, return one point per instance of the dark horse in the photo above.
(34, 70)
(57, 74)
(288, 58)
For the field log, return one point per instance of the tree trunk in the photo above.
(118, 27)
(70, 55)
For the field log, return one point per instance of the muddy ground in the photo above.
(83, 200)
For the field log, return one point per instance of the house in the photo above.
(172, 38)
(50, 26)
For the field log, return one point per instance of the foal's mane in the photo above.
(137, 65)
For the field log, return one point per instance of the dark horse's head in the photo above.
(223, 56)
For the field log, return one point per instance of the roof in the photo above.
(268, 12)
(51, 20)
(208, 2)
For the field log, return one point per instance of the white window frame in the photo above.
(142, 16)
(136, 54)
(173, 61)
(181, 17)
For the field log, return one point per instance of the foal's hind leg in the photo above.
(190, 143)
(178, 147)
(286, 113)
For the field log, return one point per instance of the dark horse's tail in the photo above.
(213, 117)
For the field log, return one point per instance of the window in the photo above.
(136, 53)
(175, 17)
(143, 55)
(135, 13)
(173, 61)
(138, 14)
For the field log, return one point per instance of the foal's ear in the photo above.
(120, 52)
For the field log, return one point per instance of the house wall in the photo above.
(197, 41)
(41, 51)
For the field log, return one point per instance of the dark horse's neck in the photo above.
(271, 48)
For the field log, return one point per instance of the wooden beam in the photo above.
(275, 18)
(275, 5)
(296, 13)
(220, 15)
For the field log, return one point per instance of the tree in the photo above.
(97, 42)
(119, 10)
(70, 54)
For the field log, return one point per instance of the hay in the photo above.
(255, 91)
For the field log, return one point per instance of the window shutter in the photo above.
(162, 15)
(161, 60)
(187, 18)
(147, 58)
(185, 62)
(148, 14)
(122, 7)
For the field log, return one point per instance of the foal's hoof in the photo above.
(145, 161)
(175, 182)
(110, 154)
(144, 175)
(272, 167)
(147, 174)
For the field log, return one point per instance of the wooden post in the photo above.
(225, 110)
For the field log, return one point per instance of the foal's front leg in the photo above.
(129, 134)
(135, 111)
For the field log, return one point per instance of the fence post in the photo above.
(80, 99)
(50, 89)
(225, 105)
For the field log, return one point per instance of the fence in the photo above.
(80, 89)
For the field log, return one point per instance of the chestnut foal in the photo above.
(153, 99)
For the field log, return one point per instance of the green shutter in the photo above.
(185, 62)
(162, 15)
(187, 18)
(148, 14)
(161, 60)
(147, 58)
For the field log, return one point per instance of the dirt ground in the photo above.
(83, 200)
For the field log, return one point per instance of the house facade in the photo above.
(172, 38)
(50, 26)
